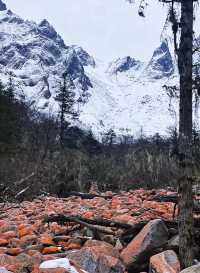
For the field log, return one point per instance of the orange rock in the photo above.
(27, 230)
(14, 251)
(28, 240)
(3, 242)
(166, 261)
(51, 250)
(47, 240)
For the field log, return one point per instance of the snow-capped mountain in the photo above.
(125, 95)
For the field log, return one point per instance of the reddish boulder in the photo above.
(103, 248)
(25, 230)
(14, 251)
(166, 261)
(93, 259)
(153, 236)
(3, 242)
(47, 240)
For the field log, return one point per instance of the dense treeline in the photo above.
(32, 161)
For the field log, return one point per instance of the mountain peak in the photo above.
(2, 6)
(44, 23)
(161, 64)
(123, 65)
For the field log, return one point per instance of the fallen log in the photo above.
(63, 219)
(129, 234)
(105, 222)
(96, 221)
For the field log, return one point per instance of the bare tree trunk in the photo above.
(185, 134)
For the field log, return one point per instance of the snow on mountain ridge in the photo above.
(37, 57)
(125, 95)
(123, 64)
(161, 64)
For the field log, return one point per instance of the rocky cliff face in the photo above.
(161, 65)
(37, 56)
(2, 6)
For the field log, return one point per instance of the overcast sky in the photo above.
(107, 29)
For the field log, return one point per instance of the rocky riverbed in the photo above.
(112, 233)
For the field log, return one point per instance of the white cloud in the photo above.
(105, 28)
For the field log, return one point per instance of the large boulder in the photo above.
(173, 243)
(192, 269)
(166, 261)
(97, 260)
(152, 237)
(102, 248)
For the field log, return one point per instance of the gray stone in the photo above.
(192, 269)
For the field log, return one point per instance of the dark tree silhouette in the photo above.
(66, 100)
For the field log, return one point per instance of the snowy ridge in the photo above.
(126, 95)
(129, 103)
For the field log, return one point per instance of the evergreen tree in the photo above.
(8, 117)
(66, 100)
(109, 137)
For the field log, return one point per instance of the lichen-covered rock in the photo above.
(153, 236)
(166, 261)
(93, 259)
(173, 243)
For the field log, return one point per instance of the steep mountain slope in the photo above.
(36, 56)
(129, 95)
(125, 95)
